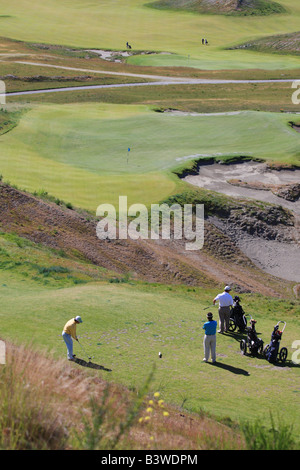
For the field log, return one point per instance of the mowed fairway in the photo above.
(217, 59)
(125, 326)
(79, 152)
(109, 24)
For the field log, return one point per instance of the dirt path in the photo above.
(156, 80)
(158, 77)
(106, 72)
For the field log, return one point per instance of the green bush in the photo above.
(261, 437)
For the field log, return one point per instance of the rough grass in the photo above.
(44, 266)
(27, 419)
(47, 404)
(38, 414)
(280, 44)
(233, 7)
(274, 97)
(8, 119)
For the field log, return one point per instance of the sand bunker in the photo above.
(277, 258)
(112, 56)
(217, 177)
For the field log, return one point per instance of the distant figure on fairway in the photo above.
(128, 45)
(225, 304)
(68, 333)
(209, 342)
(202, 41)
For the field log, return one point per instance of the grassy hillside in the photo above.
(94, 415)
(127, 324)
(279, 43)
(228, 7)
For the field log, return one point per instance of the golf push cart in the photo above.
(237, 316)
(252, 343)
(271, 350)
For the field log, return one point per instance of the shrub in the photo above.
(261, 437)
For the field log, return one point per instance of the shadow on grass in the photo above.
(287, 363)
(90, 364)
(234, 370)
(239, 335)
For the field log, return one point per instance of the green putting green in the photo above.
(80, 152)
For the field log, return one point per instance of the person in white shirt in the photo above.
(225, 304)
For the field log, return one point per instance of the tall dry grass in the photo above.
(26, 417)
(53, 404)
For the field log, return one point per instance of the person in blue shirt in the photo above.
(209, 342)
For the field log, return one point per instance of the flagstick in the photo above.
(128, 154)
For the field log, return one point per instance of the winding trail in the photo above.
(158, 80)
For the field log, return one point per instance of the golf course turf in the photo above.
(90, 142)
(126, 325)
(88, 147)
(146, 29)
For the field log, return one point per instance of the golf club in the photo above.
(211, 306)
(89, 357)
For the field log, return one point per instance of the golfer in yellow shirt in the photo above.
(69, 333)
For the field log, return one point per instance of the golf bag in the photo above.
(253, 342)
(237, 316)
(272, 351)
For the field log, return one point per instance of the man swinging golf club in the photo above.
(69, 333)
